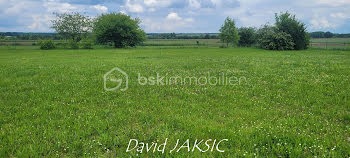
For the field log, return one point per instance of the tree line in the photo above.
(120, 31)
(182, 36)
(288, 33)
(320, 34)
(55, 36)
(28, 36)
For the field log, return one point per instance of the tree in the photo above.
(261, 32)
(247, 36)
(277, 41)
(72, 26)
(119, 29)
(228, 32)
(172, 35)
(328, 35)
(269, 37)
(288, 23)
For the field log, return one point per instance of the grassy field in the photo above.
(320, 43)
(292, 104)
(149, 42)
(183, 42)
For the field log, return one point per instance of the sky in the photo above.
(179, 16)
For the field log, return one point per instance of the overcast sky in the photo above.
(179, 15)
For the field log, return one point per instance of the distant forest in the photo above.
(54, 36)
(321, 34)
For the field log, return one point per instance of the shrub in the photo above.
(288, 23)
(46, 44)
(120, 29)
(277, 41)
(73, 44)
(65, 44)
(86, 44)
(247, 36)
(223, 46)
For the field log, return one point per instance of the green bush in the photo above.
(73, 44)
(288, 23)
(223, 46)
(86, 44)
(120, 29)
(247, 36)
(46, 44)
(277, 41)
(65, 44)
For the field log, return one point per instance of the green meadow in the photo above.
(289, 103)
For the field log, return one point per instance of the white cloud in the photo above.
(35, 15)
(216, 2)
(151, 9)
(134, 7)
(333, 15)
(194, 4)
(16, 7)
(157, 3)
(174, 23)
(123, 12)
(150, 2)
(100, 8)
(321, 23)
(189, 20)
(339, 15)
(173, 16)
(53, 6)
(40, 22)
(333, 3)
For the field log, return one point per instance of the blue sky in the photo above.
(179, 15)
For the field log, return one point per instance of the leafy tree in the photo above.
(288, 23)
(328, 35)
(228, 32)
(277, 41)
(119, 29)
(270, 38)
(247, 36)
(72, 26)
(172, 36)
(261, 32)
